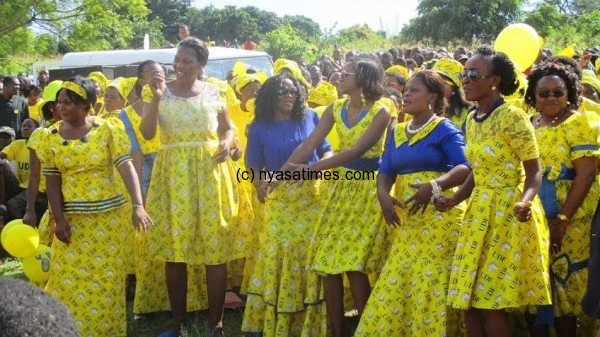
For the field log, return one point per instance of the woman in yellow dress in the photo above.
(501, 259)
(284, 299)
(569, 151)
(77, 156)
(423, 157)
(351, 237)
(192, 196)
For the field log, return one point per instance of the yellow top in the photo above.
(86, 165)
(17, 151)
(33, 144)
(34, 110)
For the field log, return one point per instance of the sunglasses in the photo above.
(344, 74)
(556, 93)
(472, 75)
(285, 91)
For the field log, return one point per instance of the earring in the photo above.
(494, 88)
(429, 106)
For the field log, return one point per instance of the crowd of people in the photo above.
(466, 191)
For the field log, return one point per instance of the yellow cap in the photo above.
(324, 94)
(450, 69)
(398, 70)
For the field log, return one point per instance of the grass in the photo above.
(153, 324)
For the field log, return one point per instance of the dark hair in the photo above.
(268, 95)
(419, 58)
(435, 85)
(502, 67)
(388, 92)
(89, 88)
(141, 66)
(332, 73)
(32, 88)
(567, 61)
(457, 102)
(9, 80)
(394, 51)
(400, 61)
(369, 76)
(198, 46)
(26, 310)
(184, 26)
(564, 71)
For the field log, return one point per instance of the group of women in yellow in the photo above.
(479, 209)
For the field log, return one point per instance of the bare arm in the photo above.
(33, 186)
(363, 144)
(129, 176)
(150, 112)
(586, 169)
(54, 191)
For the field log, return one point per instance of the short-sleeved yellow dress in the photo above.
(559, 146)
(88, 275)
(192, 200)
(351, 234)
(409, 298)
(500, 262)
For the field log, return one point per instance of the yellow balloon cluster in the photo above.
(21, 240)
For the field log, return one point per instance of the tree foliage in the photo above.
(445, 20)
(306, 27)
(286, 42)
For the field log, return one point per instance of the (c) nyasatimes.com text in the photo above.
(303, 174)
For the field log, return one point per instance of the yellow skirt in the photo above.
(409, 298)
(500, 262)
(88, 275)
(351, 234)
(285, 299)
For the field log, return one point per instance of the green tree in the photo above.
(442, 21)
(170, 14)
(546, 19)
(285, 42)
(305, 27)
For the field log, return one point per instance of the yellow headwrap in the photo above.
(239, 68)
(293, 67)
(324, 94)
(449, 68)
(123, 85)
(569, 51)
(239, 82)
(590, 78)
(398, 70)
(99, 78)
(76, 88)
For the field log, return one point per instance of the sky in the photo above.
(390, 15)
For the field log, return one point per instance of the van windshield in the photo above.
(219, 68)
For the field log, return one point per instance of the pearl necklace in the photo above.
(538, 122)
(415, 131)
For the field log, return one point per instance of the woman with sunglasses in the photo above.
(501, 259)
(351, 237)
(284, 299)
(569, 151)
(423, 157)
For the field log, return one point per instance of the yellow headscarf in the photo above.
(293, 67)
(398, 70)
(123, 86)
(239, 82)
(449, 68)
(569, 51)
(324, 94)
(99, 78)
(590, 78)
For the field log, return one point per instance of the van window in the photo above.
(219, 68)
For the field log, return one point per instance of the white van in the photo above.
(220, 61)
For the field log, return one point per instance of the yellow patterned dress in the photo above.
(559, 146)
(192, 200)
(46, 224)
(351, 235)
(499, 261)
(88, 275)
(284, 298)
(409, 298)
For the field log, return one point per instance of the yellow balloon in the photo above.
(521, 43)
(21, 241)
(37, 266)
(9, 225)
